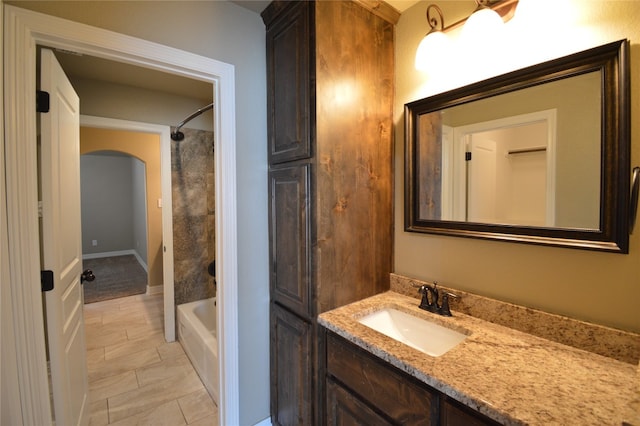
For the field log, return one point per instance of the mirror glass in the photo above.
(531, 156)
(522, 158)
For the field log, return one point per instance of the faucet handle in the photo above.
(425, 303)
(444, 308)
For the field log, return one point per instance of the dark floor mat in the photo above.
(117, 276)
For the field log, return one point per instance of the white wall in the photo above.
(139, 205)
(229, 33)
(107, 203)
(105, 99)
(113, 201)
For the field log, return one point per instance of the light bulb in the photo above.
(432, 49)
(483, 24)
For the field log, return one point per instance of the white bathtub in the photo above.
(197, 334)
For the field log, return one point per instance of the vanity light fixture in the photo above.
(435, 42)
(488, 13)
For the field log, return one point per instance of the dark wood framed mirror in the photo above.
(539, 155)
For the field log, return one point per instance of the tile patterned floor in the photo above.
(135, 377)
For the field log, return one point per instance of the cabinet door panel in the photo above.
(379, 384)
(289, 80)
(290, 232)
(454, 414)
(344, 409)
(291, 368)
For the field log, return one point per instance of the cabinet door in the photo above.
(291, 368)
(343, 408)
(379, 384)
(289, 228)
(289, 80)
(454, 414)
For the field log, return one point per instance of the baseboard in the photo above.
(108, 254)
(265, 422)
(117, 253)
(141, 262)
(154, 289)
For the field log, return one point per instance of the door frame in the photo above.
(164, 133)
(23, 31)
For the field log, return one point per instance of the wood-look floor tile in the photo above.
(141, 301)
(155, 322)
(95, 356)
(98, 413)
(150, 396)
(167, 414)
(164, 370)
(132, 346)
(146, 306)
(112, 385)
(206, 421)
(92, 319)
(101, 329)
(101, 307)
(135, 377)
(170, 350)
(197, 405)
(99, 339)
(123, 318)
(140, 330)
(111, 367)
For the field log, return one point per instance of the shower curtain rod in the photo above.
(177, 135)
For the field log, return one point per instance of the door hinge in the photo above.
(467, 156)
(42, 101)
(46, 280)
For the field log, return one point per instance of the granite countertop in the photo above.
(508, 375)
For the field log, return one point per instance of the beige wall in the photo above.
(146, 148)
(598, 287)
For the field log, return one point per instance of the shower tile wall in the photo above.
(192, 177)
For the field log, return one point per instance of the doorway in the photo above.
(504, 170)
(114, 224)
(97, 128)
(23, 31)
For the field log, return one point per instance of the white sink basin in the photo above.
(421, 334)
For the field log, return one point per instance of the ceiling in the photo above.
(259, 5)
(92, 68)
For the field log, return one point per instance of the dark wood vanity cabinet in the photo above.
(396, 397)
(289, 72)
(330, 111)
(453, 413)
(361, 389)
(291, 361)
(290, 226)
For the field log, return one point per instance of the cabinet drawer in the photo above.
(382, 386)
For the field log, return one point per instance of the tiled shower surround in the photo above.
(192, 175)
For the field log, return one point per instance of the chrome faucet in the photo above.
(430, 298)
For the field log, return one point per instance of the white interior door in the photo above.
(62, 245)
(481, 186)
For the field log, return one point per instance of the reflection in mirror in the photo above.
(539, 155)
(529, 157)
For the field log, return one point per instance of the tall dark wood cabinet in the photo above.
(330, 101)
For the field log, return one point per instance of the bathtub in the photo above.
(197, 334)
